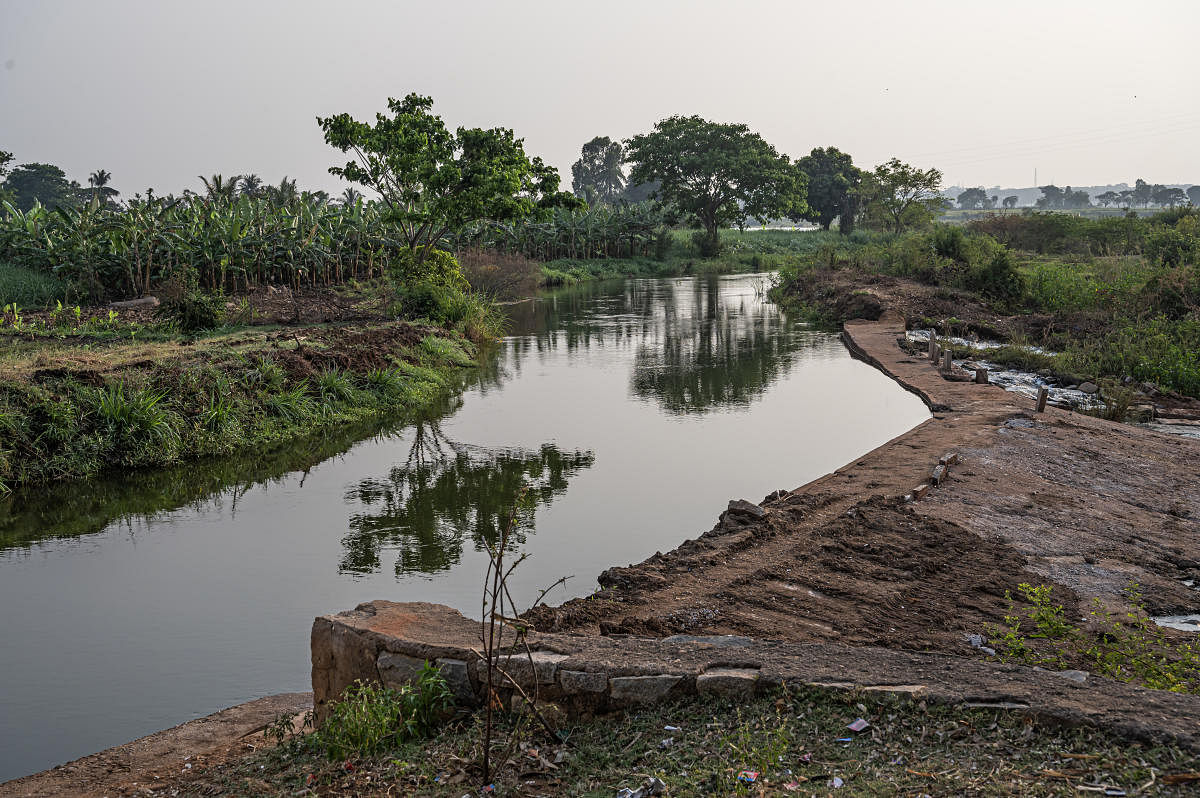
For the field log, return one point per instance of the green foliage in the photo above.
(334, 386)
(832, 177)
(136, 416)
(598, 177)
(1129, 648)
(29, 287)
(718, 174)
(427, 265)
(31, 184)
(605, 231)
(292, 405)
(1158, 350)
(192, 311)
(434, 181)
(371, 719)
(903, 195)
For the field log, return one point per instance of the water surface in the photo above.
(631, 412)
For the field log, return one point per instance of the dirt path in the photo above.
(1072, 501)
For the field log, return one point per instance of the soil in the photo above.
(144, 765)
(1071, 501)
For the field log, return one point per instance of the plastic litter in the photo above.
(666, 742)
(651, 786)
(748, 776)
(844, 740)
(858, 725)
(837, 782)
(671, 728)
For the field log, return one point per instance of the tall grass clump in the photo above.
(29, 288)
(371, 719)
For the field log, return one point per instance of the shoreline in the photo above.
(971, 517)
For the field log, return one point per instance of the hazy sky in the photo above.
(158, 92)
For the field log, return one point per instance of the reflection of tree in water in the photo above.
(696, 349)
(447, 493)
(717, 355)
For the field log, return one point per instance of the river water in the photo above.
(632, 410)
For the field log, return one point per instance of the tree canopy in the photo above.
(831, 176)
(975, 199)
(31, 183)
(598, 177)
(904, 195)
(719, 174)
(434, 181)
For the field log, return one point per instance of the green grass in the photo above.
(29, 289)
(792, 741)
(170, 411)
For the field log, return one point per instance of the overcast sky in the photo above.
(159, 92)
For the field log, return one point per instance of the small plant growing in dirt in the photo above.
(1129, 647)
(372, 719)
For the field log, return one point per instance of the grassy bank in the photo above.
(115, 395)
(1117, 299)
(777, 744)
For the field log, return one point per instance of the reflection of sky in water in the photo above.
(641, 409)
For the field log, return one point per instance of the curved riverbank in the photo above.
(872, 558)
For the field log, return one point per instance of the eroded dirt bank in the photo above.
(1078, 503)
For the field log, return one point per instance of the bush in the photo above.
(371, 719)
(438, 268)
(996, 279)
(192, 312)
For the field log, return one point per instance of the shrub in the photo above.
(438, 268)
(371, 719)
(996, 278)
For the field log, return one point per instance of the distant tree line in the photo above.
(717, 175)
(1143, 195)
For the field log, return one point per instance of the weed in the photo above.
(292, 405)
(333, 386)
(1129, 648)
(371, 719)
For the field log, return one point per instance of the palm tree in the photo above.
(218, 188)
(251, 185)
(350, 196)
(285, 193)
(100, 189)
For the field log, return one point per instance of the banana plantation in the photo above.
(244, 242)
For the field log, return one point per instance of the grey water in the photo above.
(631, 411)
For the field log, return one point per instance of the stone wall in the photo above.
(386, 642)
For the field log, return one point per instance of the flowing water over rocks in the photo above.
(635, 410)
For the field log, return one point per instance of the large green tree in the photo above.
(31, 183)
(433, 180)
(719, 174)
(1193, 195)
(832, 176)
(904, 195)
(599, 175)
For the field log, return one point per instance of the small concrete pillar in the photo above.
(981, 376)
(1043, 395)
(948, 360)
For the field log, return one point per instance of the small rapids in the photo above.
(1023, 382)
